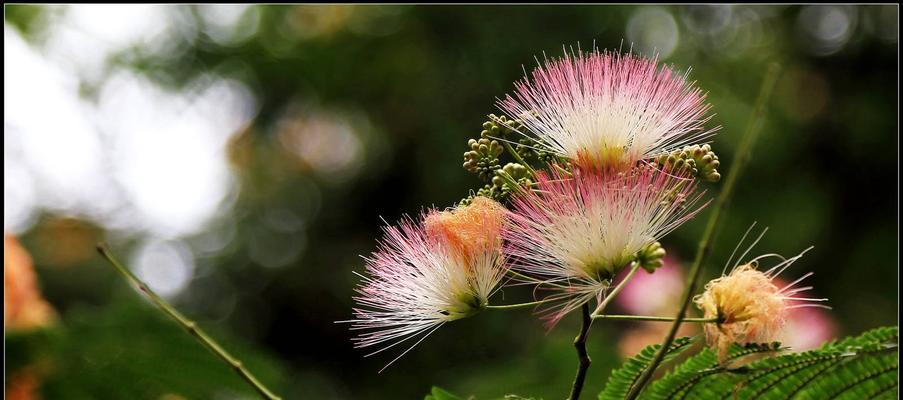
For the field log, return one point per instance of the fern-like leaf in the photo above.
(622, 379)
(863, 367)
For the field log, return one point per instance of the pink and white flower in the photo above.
(576, 232)
(426, 274)
(604, 109)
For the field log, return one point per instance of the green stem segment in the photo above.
(655, 319)
(518, 158)
(601, 307)
(189, 326)
(741, 157)
(519, 305)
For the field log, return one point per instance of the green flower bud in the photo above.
(698, 161)
(483, 157)
(651, 257)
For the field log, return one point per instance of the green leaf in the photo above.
(441, 394)
(863, 367)
(128, 350)
(622, 379)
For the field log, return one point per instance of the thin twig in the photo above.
(601, 307)
(519, 305)
(189, 325)
(741, 157)
(652, 318)
(582, 356)
(518, 158)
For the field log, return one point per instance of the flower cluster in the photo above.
(599, 158)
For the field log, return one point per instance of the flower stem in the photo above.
(741, 157)
(582, 357)
(519, 305)
(580, 340)
(652, 318)
(601, 307)
(190, 326)
(518, 158)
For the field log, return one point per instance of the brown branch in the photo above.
(582, 357)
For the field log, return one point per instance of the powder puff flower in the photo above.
(576, 232)
(424, 275)
(603, 110)
(749, 306)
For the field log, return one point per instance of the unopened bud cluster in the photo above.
(507, 180)
(700, 161)
(500, 126)
(512, 176)
(483, 157)
(651, 257)
(529, 149)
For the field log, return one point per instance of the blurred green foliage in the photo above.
(415, 83)
(129, 350)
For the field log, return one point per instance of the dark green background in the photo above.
(824, 173)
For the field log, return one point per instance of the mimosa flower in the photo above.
(424, 275)
(604, 110)
(750, 307)
(577, 232)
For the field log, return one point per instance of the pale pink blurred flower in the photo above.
(605, 109)
(750, 306)
(654, 293)
(576, 232)
(807, 327)
(426, 274)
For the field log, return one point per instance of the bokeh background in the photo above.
(240, 159)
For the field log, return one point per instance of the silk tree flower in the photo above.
(576, 232)
(749, 306)
(604, 109)
(426, 274)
